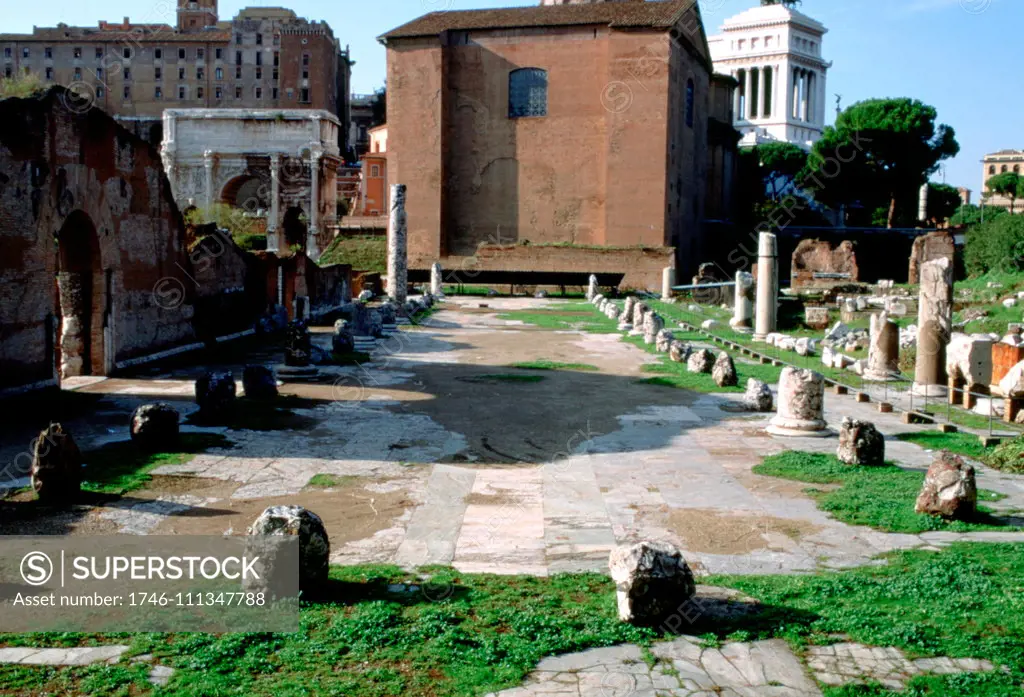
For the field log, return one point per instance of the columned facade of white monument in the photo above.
(774, 52)
(277, 164)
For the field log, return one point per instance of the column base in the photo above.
(872, 376)
(921, 390)
(799, 428)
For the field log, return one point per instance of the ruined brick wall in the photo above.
(230, 286)
(934, 245)
(81, 186)
(818, 256)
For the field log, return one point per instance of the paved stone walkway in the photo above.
(81, 656)
(679, 472)
(685, 667)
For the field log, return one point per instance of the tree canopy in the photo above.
(779, 164)
(972, 215)
(943, 202)
(878, 155)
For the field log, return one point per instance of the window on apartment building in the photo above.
(25, 53)
(218, 93)
(219, 73)
(127, 73)
(7, 52)
(238, 57)
(277, 39)
(218, 53)
(181, 91)
(181, 54)
(158, 73)
(78, 75)
(238, 39)
(48, 52)
(991, 169)
(277, 58)
(99, 91)
(200, 54)
(49, 73)
(158, 93)
(158, 54)
(304, 95)
(199, 92)
(274, 93)
(238, 72)
(259, 73)
(98, 52)
(181, 73)
(126, 52)
(259, 39)
(527, 93)
(99, 73)
(200, 73)
(275, 75)
(127, 91)
(258, 92)
(689, 102)
(305, 59)
(259, 58)
(305, 73)
(238, 92)
(374, 170)
(7, 72)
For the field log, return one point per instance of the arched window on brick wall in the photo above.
(527, 93)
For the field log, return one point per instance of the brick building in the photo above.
(264, 58)
(584, 127)
(1000, 163)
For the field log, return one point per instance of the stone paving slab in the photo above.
(685, 667)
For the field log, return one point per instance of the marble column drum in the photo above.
(767, 286)
(743, 301)
(801, 405)
(934, 327)
(398, 259)
(884, 349)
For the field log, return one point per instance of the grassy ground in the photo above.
(569, 316)
(465, 634)
(363, 252)
(121, 467)
(1007, 456)
(325, 481)
(672, 374)
(963, 602)
(545, 364)
(879, 497)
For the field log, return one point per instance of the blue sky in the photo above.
(959, 55)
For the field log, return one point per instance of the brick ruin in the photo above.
(816, 264)
(934, 245)
(97, 268)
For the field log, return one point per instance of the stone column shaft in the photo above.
(273, 241)
(884, 350)
(398, 255)
(436, 279)
(312, 246)
(767, 285)
(668, 279)
(208, 183)
(934, 326)
(743, 301)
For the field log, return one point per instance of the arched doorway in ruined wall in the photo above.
(83, 300)
(295, 228)
(247, 192)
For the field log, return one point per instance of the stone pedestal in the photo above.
(934, 322)
(436, 287)
(767, 286)
(398, 258)
(640, 309)
(743, 301)
(801, 404)
(668, 279)
(884, 350)
(592, 290)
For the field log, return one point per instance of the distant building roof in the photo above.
(772, 14)
(651, 14)
(1006, 153)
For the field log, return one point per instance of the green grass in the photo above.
(118, 468)
(963, 602)
(880, 497)
(326, 481)
(1008, 456)
(363, 252)
(456, 635)
(569, 316)
(545, 364)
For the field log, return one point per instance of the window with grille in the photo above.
(527, 93)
